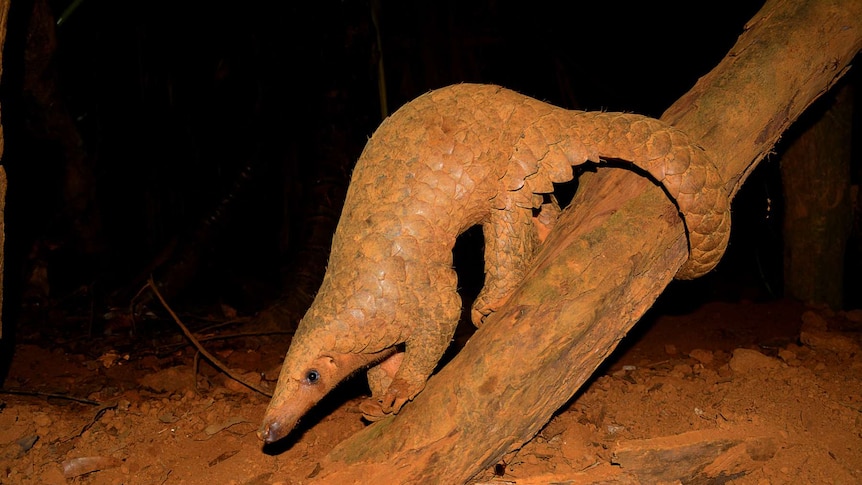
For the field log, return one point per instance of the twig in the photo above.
(211, 358)
(134, 301)
(247, 334)
(195, 365)
(49, 395)
(99, 413)
(229, 337)
(218, 324)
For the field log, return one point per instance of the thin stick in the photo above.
(211, 338)
(99, 413)
(211, 358)
(49, 395)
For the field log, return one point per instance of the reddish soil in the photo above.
(779, 383)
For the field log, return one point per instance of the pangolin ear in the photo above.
(327, 361)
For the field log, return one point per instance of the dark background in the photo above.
(174, 100)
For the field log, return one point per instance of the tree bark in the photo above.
(815, 175)
(57, 126)
(604, 264)
(4, 14)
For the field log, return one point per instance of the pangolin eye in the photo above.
(312, 377)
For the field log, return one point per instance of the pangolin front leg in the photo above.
(379, 379)
(401, 377)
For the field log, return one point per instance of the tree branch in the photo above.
(604, 265)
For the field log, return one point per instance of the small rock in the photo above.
(831, 341)
(553, 429)
(670, 349)
(787, 355)
(812, 322)
(746, 361)
(42, 420)
(272, 373)
(854, 316)
(681, 371)
(27, 442)
(705, 357)
(52, 475)
(171, 380)
(250, 377)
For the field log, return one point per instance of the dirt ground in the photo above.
(738, 393)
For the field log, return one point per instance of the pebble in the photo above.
(705, 357)
(831, 341)
(854, 316)
(813, 322)
(746, 361)
(42, 420)
(786, 354)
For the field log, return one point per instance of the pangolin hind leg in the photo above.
(512, 238)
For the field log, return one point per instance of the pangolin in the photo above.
(453, 158)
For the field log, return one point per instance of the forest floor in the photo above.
(738, 393)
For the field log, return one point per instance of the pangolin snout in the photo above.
(272, 431)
